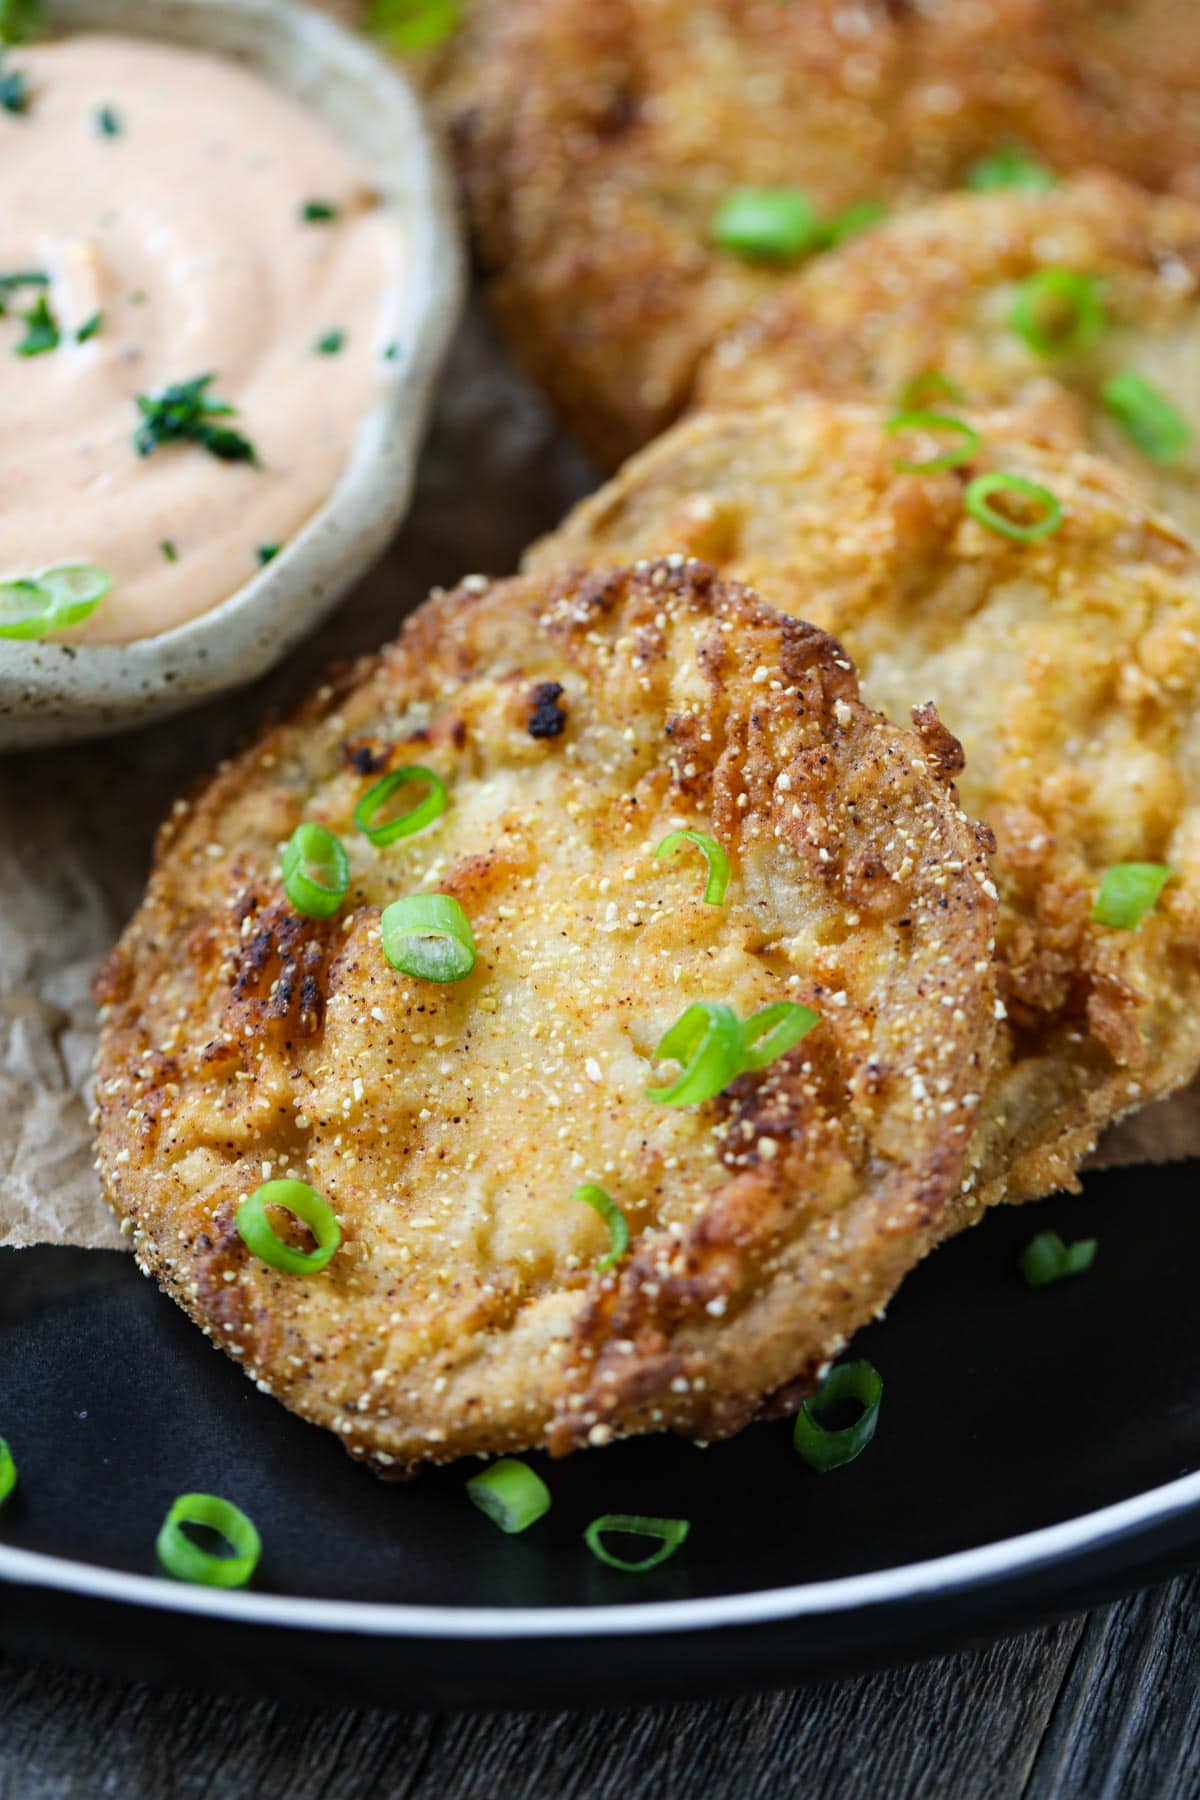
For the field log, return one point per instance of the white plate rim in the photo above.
(935, 1576)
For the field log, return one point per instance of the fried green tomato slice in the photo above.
(1082, 304)
(599, 145)
(1069, 668)
(574, 723)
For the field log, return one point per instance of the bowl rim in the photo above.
(59, 682)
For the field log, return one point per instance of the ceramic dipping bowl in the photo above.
(51, 692)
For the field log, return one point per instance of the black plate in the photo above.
(1037, 1451)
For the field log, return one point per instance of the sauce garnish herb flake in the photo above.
(183, 414)
(20, 278)
(41, 330)
(15, 96)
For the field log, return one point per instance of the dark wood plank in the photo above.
(969, 1724)
(1127, 1721)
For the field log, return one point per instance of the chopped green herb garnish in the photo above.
(304, 1203)
(1146, 416)
(1059, 312)
(108, 123)
(836, 229)
(8, 1472)
(89, 328)
(168, 549)
(183, 414)
(268, 552)
(713, 1046)
(331, 343)
(668, 1534)
(318, 212)
(138, 297)
(824, 1448)
(33, 605)
(14, 89)
(1010, 168)
(1046, 1258)
(391, 351)
(20, 20)
(1127, 892)
(765, 224)
(931, 422)
(510, 1494)
(429, 936)
(412, 24)
(782, 225)
(716, 860)
(186, 1561)
(370, 815)
(18, 279)
(930, 384)
(1040, 512)
(315, 870)
(618, 1225)
(41, 329)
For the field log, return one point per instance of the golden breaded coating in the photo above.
(1070, 670)
(949, 288)
(575, 722)
(596, 143)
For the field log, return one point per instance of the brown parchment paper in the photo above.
(76, 825)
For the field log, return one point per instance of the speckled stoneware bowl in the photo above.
(51, 692)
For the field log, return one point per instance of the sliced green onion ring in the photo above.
(430, 936)
(185, 1560)
(415, 819)
(412, 24)
(614, 1218)
(767, 224)
(1046, 1258)
(315, 870)
(927, 385)
(75, 590)
(707, 1040)
(1128, 891)
(1058, 312)
(822, 1449)
(977, 500)
(511, 1495)
(1010, 167)
(26, 610)
(935, 421)
(33, 605)
(773, 1029)
(1146, 416)
(258, 1234)
(714, 855)
(670, 1533)
(837, 227)
(8, 1471)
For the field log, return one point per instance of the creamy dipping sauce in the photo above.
(163, 194)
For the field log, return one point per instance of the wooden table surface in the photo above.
(1103, 1707)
